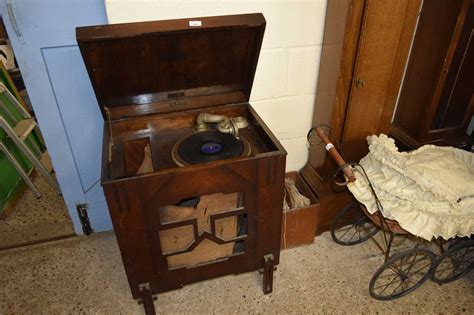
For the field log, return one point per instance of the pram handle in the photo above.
(335, 155)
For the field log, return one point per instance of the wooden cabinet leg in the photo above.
(147, 299)
(268, 274)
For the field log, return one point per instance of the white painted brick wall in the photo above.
(285, 83)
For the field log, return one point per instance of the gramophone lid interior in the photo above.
(164, 66)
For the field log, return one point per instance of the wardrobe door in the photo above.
(385, 36)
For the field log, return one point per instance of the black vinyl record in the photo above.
(209, 146)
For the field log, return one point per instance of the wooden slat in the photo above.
(24, 128)
(45, 160)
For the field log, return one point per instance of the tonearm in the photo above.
(224, 123)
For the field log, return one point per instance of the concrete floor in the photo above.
(36, 218)
(85, 275)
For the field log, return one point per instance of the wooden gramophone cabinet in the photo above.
(151, 80)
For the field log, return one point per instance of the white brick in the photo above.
(270, 79)
(288, 117)
(289, 23)
(274, 15)
(122, 11)
(297, 153)
(304, 22)
(303, 69)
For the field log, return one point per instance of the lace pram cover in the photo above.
(430, 191)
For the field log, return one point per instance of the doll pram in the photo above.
(387, 185)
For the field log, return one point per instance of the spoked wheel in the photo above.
(454, 263)
(358, 227)
(402, 274)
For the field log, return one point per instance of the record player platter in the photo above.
(208, 146)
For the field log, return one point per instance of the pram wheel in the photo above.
(351, 226)
(454, 263)
(402, 274)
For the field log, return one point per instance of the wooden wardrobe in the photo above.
(377, 41)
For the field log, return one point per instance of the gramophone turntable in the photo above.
(208, 145)
(192, 175)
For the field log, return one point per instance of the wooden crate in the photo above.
(299, 224)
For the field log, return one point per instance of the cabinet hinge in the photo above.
(84, 218)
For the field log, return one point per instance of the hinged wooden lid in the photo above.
(164, 66)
